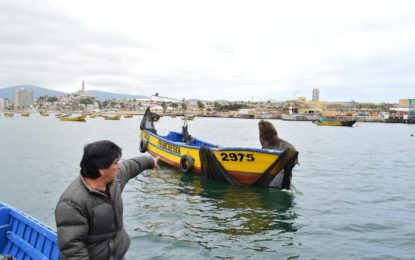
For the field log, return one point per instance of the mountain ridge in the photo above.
(8, 92)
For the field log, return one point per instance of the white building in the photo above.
(316, 94)
(23, 98)
(2, 104)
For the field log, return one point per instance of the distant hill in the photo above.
(39, 91)
(100, 95)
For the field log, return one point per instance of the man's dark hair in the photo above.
(98, 155)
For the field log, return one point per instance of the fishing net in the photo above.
(283, 168)
(212, 169)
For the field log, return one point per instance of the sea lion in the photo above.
(269, 139)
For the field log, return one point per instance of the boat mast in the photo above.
(183, 101)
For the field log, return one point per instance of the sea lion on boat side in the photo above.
(268, 137)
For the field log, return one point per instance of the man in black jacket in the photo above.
(89, 213)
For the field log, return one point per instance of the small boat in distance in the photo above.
(25, 114)
(128, 116)
(44, 113)
(73, 118)
(23, 237)
(188, 117)
(8, 114)
(116, 117)
(236, 165)
(335, 121)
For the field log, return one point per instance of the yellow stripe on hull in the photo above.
(329, 123)
(73, 119)
(245, 161)
(171, 153)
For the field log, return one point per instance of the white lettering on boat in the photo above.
(168, 146)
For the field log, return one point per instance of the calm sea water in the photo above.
(353, 194)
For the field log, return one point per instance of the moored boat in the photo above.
(8, 114)
(335, 121)
(73, 118)
(23, 237)
(116, 117)
(188, 117)
(238, 166)
(25, 114)
(44, 113)
(128, 116)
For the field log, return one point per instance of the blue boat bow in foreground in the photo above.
(23, 237)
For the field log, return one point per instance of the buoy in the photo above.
(186, 163)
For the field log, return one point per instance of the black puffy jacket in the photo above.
(89, 224)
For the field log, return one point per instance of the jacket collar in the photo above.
(111, 187)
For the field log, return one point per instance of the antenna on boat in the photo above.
(174, 99)
(182, 101)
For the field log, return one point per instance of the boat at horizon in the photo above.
(236, 165)
(8, 114)
(335, 121)
(44, 113)
(188, 117)
(73, 118)
(116, 117)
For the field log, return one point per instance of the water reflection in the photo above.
(213, 214)
(242, 210)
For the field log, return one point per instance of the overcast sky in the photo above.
(213, 49)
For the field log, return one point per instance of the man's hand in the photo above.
(156, 165)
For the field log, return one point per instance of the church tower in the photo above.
(83, 89)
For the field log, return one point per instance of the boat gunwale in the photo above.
(214, 148)
(34, 224)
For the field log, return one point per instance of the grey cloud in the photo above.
(41, 44)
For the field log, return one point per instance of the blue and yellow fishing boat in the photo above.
(238, 166)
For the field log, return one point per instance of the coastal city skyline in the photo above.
(10, 93)
(234, 50)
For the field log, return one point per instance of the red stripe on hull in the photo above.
(245, 178)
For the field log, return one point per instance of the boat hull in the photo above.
(73, 119)
(244, 165)
(23, 237)
(349, 123)
(117, 117)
